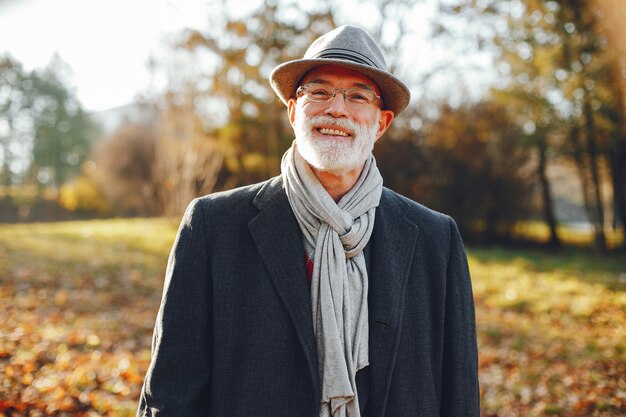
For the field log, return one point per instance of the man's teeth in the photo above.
(333, 132)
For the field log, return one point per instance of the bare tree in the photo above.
(124, 170)
(187, 160)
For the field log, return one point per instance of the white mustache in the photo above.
(333, 121)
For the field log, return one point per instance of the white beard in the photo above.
(334, 156)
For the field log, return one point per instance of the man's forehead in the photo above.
(334, 74)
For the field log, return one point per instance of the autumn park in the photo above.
(528, 157)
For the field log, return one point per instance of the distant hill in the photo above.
(113, 118)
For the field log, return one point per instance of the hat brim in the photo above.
(286, 78)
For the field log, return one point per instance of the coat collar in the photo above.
(392, 246)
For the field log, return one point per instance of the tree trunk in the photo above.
(7, 155)
(618, 174)
(6, 170)
(548, 207)
(598, 209)
(582, 170)
(617, 149)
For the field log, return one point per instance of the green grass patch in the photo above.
(538, 231)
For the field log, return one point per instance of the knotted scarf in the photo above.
(334, 237)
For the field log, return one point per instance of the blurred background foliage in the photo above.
(545, 140)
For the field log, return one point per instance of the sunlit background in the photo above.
(115, 114)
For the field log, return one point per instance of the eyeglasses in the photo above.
(354, 97)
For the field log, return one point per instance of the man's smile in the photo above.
(334, 131)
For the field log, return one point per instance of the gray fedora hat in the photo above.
(345, 46)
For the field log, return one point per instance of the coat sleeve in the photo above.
(460, 392)
(179, 376)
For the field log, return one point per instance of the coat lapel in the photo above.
(279, 241)
(392, 249)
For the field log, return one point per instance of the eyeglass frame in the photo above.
(301, 91)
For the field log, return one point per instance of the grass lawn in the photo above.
(79, 301)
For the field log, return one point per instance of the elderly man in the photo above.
(318, 292)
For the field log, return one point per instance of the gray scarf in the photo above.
(334, 237)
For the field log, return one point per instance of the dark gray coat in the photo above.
(234, 334)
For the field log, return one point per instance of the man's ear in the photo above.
(386, 117)
(291, 111)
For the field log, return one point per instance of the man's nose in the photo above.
(337, 106)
